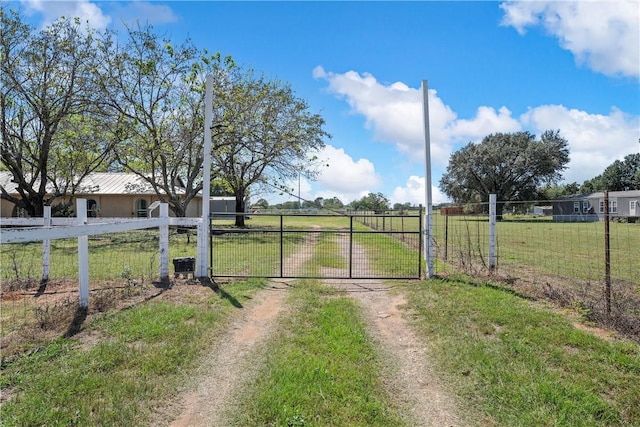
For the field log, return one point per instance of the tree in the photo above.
(553, 191)
(376, 202)
(269, 134)
(510, 165)
(333, 203)
(619, 176)
(52, 133)
(262, 203)
(157, 91)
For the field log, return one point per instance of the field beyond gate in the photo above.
(265, 246)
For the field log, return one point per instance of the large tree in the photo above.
(52, 133)
(269, 134)
(376, 202)
(619, 176)
(157, 89)
(511, 165)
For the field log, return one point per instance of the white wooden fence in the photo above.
(48, 228)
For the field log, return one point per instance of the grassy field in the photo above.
(135, 361)
(518, 363)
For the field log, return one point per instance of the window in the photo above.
(585, 206)
(613, 206)
(576, 207)
(92, 208)
(141, 208)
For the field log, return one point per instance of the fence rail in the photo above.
(47, 229)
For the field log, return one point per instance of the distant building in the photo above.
(591, 206)
(115, 195)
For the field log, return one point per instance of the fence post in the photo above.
(607, 256)
(46, 246)
(83, 254)
(164, 242)
(492, 232)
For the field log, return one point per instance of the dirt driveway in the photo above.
(408, 375)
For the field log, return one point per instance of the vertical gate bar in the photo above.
(281, 247)
(210, 248)
(420, 244)
(350, 246)
(607, 256)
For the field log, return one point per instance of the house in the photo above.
(591, 206)
(117, 195)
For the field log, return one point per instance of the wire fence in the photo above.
(123, 271)
(583, 262)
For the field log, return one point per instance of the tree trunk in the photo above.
(240, 210)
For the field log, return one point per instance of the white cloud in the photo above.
(604, 34)
(414, 192)
(595, 140)
(394, 113)
(145, 12)
(345, 178)
(130, 12)
(53, 10)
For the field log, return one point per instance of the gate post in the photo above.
(83, 254)
(164, 242)
(46, 246)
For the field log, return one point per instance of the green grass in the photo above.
(321, 370)
(111, 256)
(517, 364)
(140, 358)
(573, 250)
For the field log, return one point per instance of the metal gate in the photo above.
(350, 246)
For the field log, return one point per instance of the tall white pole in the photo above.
(428, 217)
(203, 232)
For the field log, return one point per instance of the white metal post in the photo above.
(46, 245)
(83, 254)
(164, 242)
(428, 216)
(492, 231)
(203, 229)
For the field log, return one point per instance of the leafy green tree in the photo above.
(333, 203)
(510, 165)
(554, 191)
(376, 202)
(157, 90)
(53, 134)
(270, 134)
(262, 203)
(619, 176)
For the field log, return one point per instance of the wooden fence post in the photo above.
(46, 246)
(164, 242)
(83, 254)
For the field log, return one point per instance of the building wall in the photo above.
(116, 205)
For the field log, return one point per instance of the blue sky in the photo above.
(490, 66)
